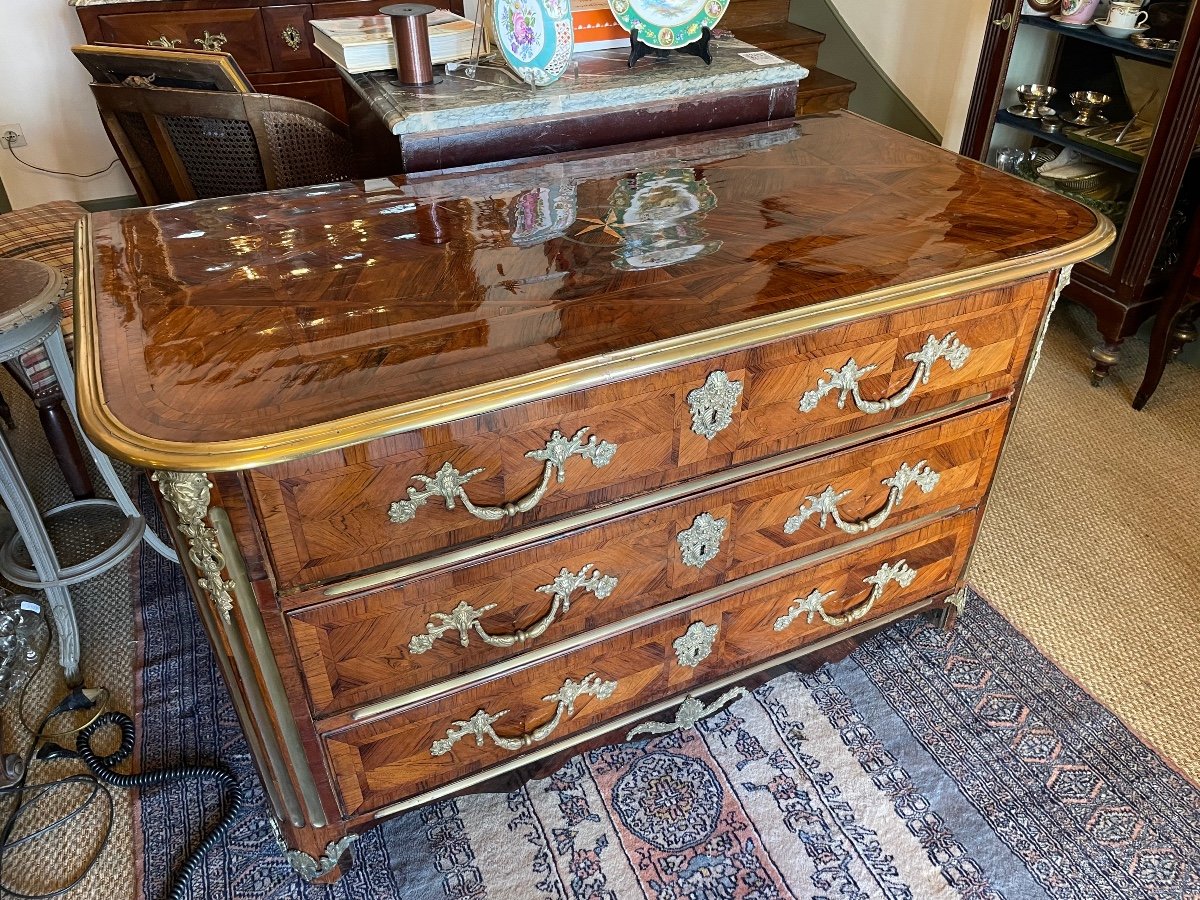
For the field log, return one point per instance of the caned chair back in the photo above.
(187, 145)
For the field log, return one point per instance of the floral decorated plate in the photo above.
(668, 23)
(536, 37)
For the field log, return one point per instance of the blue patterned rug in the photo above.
(926, 766)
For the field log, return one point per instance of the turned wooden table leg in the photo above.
(1104, 355)
(59, 433)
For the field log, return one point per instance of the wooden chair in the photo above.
(187, 145)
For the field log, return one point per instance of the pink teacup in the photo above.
(1079, 11)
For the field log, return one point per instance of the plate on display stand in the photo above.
(667, 24)
(535, 37)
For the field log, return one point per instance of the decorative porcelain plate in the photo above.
(536, 37)
(668, 23)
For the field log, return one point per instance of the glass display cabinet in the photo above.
(1141, 176)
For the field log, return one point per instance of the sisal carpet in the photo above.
(104, 608)
(1091, 543)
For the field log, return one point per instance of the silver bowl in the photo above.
(1087, 108)
(1033, 99)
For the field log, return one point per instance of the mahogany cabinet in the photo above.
(272, 40)
(1161, 185)
(491, 465)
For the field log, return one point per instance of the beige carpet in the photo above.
(104, 609)
(1091, 546)
(1091, 543)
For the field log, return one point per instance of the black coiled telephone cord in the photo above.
(101, 768)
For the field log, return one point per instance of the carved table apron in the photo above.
(471, 468)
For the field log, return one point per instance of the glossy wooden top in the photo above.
(237, 332)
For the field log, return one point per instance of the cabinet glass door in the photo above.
(1090, 136)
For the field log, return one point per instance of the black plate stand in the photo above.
(697, 48)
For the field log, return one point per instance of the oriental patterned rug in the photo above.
(927, 765)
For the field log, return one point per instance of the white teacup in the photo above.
(1126, 15)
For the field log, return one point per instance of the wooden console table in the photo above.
(486, 467)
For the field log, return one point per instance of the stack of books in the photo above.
(364, 43)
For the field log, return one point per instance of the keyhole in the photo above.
(704, 549)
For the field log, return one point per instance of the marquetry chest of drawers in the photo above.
(471, 468)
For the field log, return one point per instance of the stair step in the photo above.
(823, 91)
(792, 42)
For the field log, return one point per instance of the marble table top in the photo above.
(602, 80)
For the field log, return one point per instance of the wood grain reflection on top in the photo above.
(231, 318)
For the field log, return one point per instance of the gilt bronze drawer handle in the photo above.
(702, 541)
(712, 404)
(163, 41)
(690, 712)
(814, 603)
(291, 37)
(845, 380)
(448, 482)
(825, 504)
(465, 618)
(211, 42)
(480, 725)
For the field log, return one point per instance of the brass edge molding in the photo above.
(304, 865)
(642, 502)
(684, 604)
(250, 704)
(689, 714)
(272, 681)
(189, 495)
(633, 718)
(107, 431)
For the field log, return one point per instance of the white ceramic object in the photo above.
(1067, 23)
(1113, 31)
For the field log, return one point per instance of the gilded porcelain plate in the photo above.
(668, 23)
(536, 37)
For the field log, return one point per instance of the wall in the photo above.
(875, 97)
(928, 49)
(44, 89)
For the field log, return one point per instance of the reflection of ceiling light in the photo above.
(250, 274)
(189, 234)
(301, 271)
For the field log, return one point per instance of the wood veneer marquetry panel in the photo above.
(356, 650)
(326, 516)
(385, 760)
(338, 301)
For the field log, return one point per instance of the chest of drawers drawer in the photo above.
(371, 506)
(236, 31)
(423, 630)
(418, 748)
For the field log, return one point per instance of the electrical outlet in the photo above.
(11, 136)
